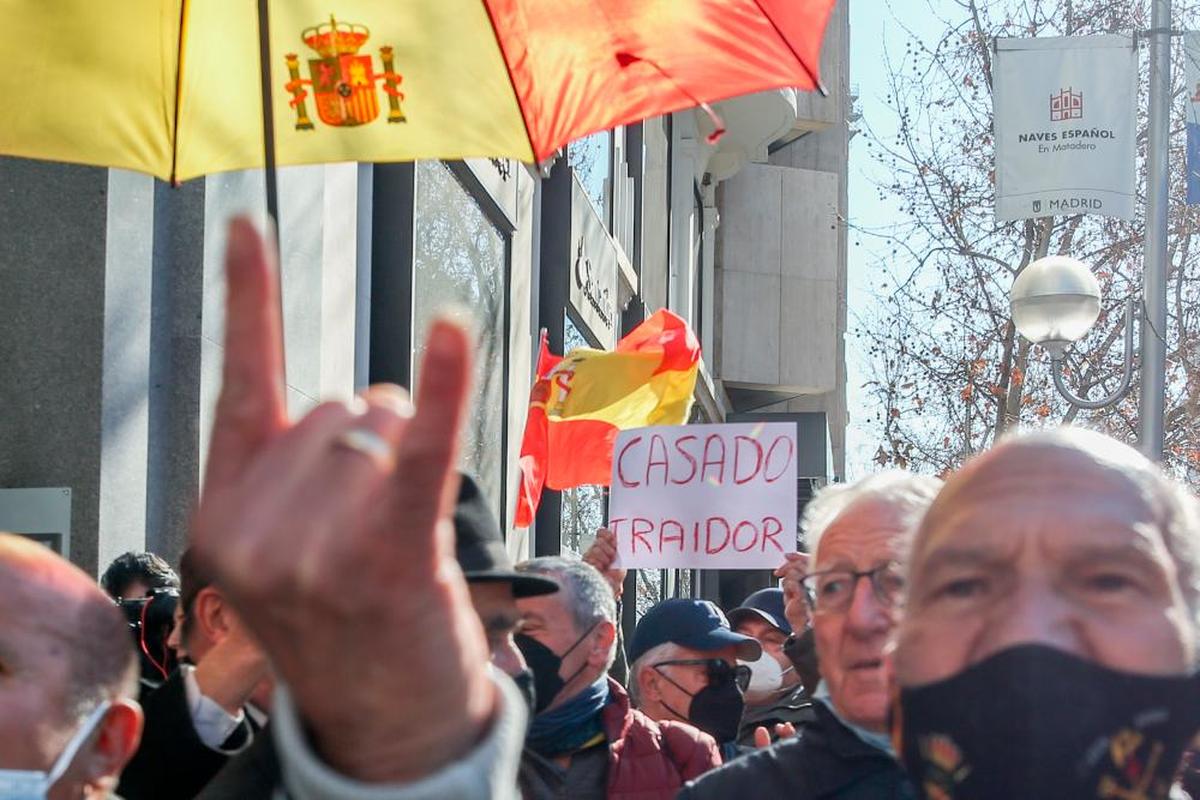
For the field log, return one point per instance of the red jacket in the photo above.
(650, 760)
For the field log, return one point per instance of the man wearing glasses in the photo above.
(685, 668)
(858, 535)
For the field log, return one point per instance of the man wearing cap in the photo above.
(587, 741)
(775, 695)
(685, 667)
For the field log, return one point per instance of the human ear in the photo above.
(112, 745)
(648, 690)
(605, 637)
(208, 614)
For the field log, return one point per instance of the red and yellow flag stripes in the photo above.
(172, 87)
(580, 401)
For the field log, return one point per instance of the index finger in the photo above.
(251, 409)
(426, 457)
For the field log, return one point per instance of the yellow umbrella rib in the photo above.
(179, 65)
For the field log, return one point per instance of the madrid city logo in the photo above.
(343, 80)
(1066, 105)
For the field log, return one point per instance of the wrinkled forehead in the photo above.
(866, 531)
(1064, 492)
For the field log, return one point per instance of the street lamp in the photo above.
(1054, 302)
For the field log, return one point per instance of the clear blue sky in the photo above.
(876, 27)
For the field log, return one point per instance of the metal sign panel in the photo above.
(43, 515)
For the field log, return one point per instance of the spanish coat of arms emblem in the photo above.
(343, 81)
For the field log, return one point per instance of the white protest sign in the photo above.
(1064, 112)
(704, 496)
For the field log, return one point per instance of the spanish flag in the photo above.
(580, 401)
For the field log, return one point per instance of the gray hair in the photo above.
(586, 592)
(906, 492)
(660, 652)
(583, 590)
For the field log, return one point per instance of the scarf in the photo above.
(570, 726)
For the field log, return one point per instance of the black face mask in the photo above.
(524, 682)
(1037, 723)
(717, 708)
(545, 663)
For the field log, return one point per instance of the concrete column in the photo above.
(319, 244)
(125, 364)
(172, 463)
(53, 218)
(685, 156)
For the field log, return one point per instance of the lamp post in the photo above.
(1054, 302)
(1058, 302)
(1154, 279)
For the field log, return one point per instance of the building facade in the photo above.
(111, 313)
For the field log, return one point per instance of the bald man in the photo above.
(1049, 645)
(68, 675)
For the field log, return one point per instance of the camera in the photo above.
(151, 619)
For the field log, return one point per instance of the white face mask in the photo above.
(766, 678)
(28, 784)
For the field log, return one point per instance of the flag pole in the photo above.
(268, 118)
(269, 171)
(1154, 271)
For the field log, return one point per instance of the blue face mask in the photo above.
(25, 784)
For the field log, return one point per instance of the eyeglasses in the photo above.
(718, 670)
(833, 590)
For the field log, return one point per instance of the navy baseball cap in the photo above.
(765, 604)
(695, 624)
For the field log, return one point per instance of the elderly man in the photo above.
(1049, 645)
(685, 667)
(68, 721)
(775, 700)
(586, 740)
(859, 534)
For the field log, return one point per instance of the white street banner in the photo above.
(1191, 76)
(1064, 115)
(704, 496)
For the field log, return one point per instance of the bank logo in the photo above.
(1066, 105)
(342, 80)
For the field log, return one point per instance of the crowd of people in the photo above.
(346, 623)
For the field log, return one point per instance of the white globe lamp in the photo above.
(1054, 302)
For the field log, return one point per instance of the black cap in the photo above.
(695, 624)
(480, 547)
(765, 604)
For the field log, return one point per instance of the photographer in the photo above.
(203, 714)
(134, 575)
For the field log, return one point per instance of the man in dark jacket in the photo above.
(859, 532)
(202, 715)
(775, 695)
(586, 741)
